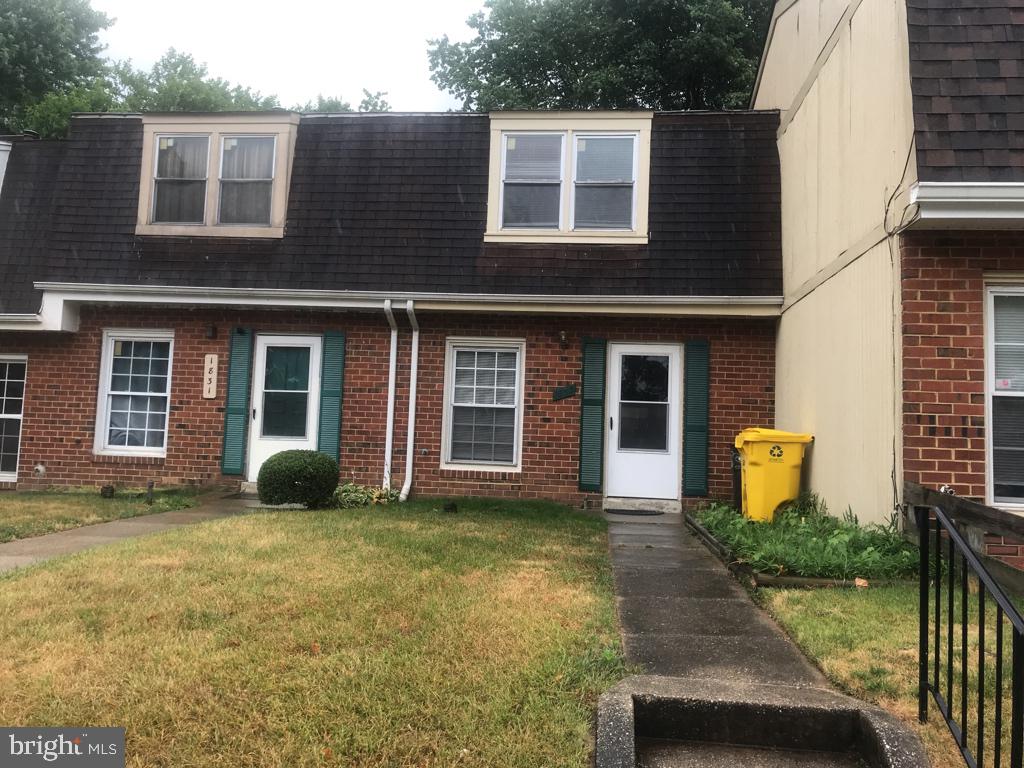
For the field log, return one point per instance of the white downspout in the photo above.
(409, 447)
(389, 437)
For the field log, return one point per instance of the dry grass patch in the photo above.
(866, 642)
(397, 636)
(33, 513)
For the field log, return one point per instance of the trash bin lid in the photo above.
(762, 435)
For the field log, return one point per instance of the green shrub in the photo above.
(298, 477)
(804, 540)
(352, 496)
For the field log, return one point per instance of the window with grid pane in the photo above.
(484, 403)
(603, 184)
(12, 400)
(246, 179)
(1007, 405)
(532, 181)
(137, 393)
(179, 194)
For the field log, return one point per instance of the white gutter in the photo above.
(413, 372)
(964, 203)
(59, 310)
(389, 438)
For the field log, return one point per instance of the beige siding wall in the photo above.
(838, 70)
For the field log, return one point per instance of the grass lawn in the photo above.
(388, 636)
(866, 642)
(33, 513)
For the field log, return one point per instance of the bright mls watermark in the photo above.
(62, 747)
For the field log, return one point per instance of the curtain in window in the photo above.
(247, 179)
(604, 182)
(180, 184)
(1008, 399)
(532, 187)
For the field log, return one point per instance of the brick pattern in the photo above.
(944, 358)
(967, 80)
(63, 369)
(398, 203)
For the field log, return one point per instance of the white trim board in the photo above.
(968, 203)
(61, 302)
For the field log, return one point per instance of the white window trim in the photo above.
(991, 291)
(570, 125)
(220, 174)
(282, 127)
(110, 335)
(10, 477)
(452, 344)
(505, 136)
(576, 136)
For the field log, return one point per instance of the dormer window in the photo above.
(569, 177)
(213, 175)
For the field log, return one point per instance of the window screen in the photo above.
(1007, 432)
(247, 180)
(484, 404)
(137, 393)
(532, 187)
(604, 182)
(180, 180)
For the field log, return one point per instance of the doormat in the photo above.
(638, 512)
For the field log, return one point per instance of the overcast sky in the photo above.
(298, 48)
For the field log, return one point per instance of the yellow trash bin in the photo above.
(771, 469)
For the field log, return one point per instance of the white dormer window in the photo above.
(569, 177)
(211, 175)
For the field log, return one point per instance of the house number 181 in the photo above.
(210, 377)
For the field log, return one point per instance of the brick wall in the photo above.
(60, 404)
(943, 284)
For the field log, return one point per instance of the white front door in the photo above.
(285, 397)
(644, 434)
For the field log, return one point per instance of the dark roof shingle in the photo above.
(967, 81)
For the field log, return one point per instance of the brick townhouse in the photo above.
(572, 305)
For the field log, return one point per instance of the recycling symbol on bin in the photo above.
(775, 451)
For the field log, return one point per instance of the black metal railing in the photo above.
(971, 647)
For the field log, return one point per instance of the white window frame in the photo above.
(110, 336)
(576, 136)
(991, 291)
(206, 187)
(282, 127)
(567, 171)
(571, 126)
(10, 477)
(220, 174)
(452, 345)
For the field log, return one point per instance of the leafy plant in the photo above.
(352, 496)
(298, 477)
(804, 540)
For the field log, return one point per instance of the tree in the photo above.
(46, 46)
(603, 54)
(176, 83)
(374, 102)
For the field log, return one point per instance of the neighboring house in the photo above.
(901, 339)
(576, 305)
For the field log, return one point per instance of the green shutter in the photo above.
(236, 411)
(592, 415)
(332, 383)
(696, 388)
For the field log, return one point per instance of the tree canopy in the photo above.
(45, 46)
(602, 54)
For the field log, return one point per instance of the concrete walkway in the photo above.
(17, 554)
(684, 615)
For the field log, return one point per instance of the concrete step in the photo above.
(666, 753)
